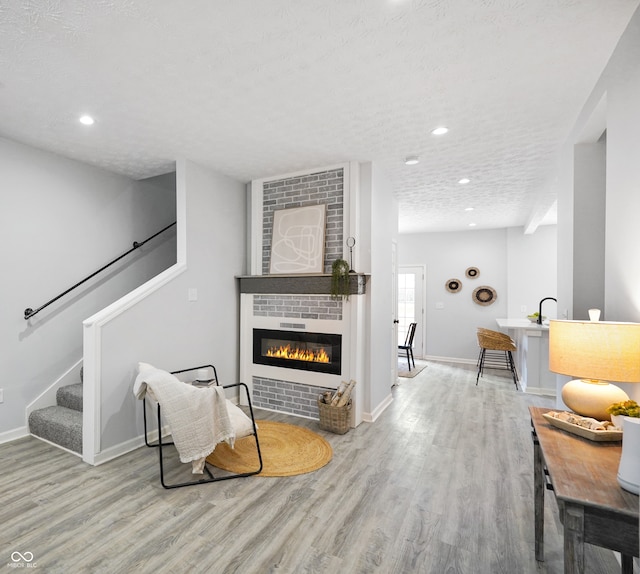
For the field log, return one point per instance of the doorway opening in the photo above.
(411, 305)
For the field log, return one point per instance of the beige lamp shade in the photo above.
(596, 353)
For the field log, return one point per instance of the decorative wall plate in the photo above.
(484, 295)
(453, 285)
(472, 272)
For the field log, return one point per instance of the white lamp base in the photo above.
(629, 469)
(591, 398)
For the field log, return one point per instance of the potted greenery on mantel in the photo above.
(340, 281)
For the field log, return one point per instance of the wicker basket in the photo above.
(335, 419)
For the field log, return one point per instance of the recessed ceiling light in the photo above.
(412, 160)
(87, 120)
(440, 131)
(464, 180)
(472, 225)
(468, 208)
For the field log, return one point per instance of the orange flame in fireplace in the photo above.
(287, 352)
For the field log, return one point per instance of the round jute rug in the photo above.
(286, 450)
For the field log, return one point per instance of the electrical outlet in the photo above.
(523, 308)
(1, 395)
(439, 305)
(192, 294)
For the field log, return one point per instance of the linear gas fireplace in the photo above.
(319, 352)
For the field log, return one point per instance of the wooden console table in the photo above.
(593, 507)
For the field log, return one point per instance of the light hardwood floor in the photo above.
(441, 483)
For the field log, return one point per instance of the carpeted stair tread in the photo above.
(70, 397)
(59, 425)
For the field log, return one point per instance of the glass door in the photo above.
(411, 306)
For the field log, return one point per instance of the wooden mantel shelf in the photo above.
(310, 284)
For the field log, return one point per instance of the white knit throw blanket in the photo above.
(197, 417)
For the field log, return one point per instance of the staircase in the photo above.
(61, 424)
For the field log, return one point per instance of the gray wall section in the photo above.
(375, 228)
(324, 187)
(314, 188)
(589, 213)
(297, 306)
(295, 398)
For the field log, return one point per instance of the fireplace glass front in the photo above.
(319, 352)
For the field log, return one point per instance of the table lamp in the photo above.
(599, 352)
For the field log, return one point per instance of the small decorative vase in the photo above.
(594, 315)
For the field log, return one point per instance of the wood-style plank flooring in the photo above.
(441, 483)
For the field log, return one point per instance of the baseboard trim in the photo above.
(283, 413)
(373, 416)
(125, 447)
(73, 452)
(539, 391)
(452, 360)
(14, 434)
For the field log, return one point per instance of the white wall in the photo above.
(61, 220)
(622, 243)
(503, 257)
(532, 271)
(619, 85)
(380, 231)
(167, 330)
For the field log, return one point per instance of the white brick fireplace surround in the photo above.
(301, 303)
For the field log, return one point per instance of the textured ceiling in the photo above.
(257, 88)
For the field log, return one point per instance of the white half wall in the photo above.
(166, 328)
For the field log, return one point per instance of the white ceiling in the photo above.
(254, 88)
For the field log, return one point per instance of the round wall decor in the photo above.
(453, 285)
(484, 295)
(472, 272)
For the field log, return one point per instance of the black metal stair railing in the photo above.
(28, 313)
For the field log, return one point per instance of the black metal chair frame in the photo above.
(496, 360)
(408, 344)
(161, 444)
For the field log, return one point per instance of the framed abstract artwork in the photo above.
(297, 242)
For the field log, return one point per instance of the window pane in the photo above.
(406, 304)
